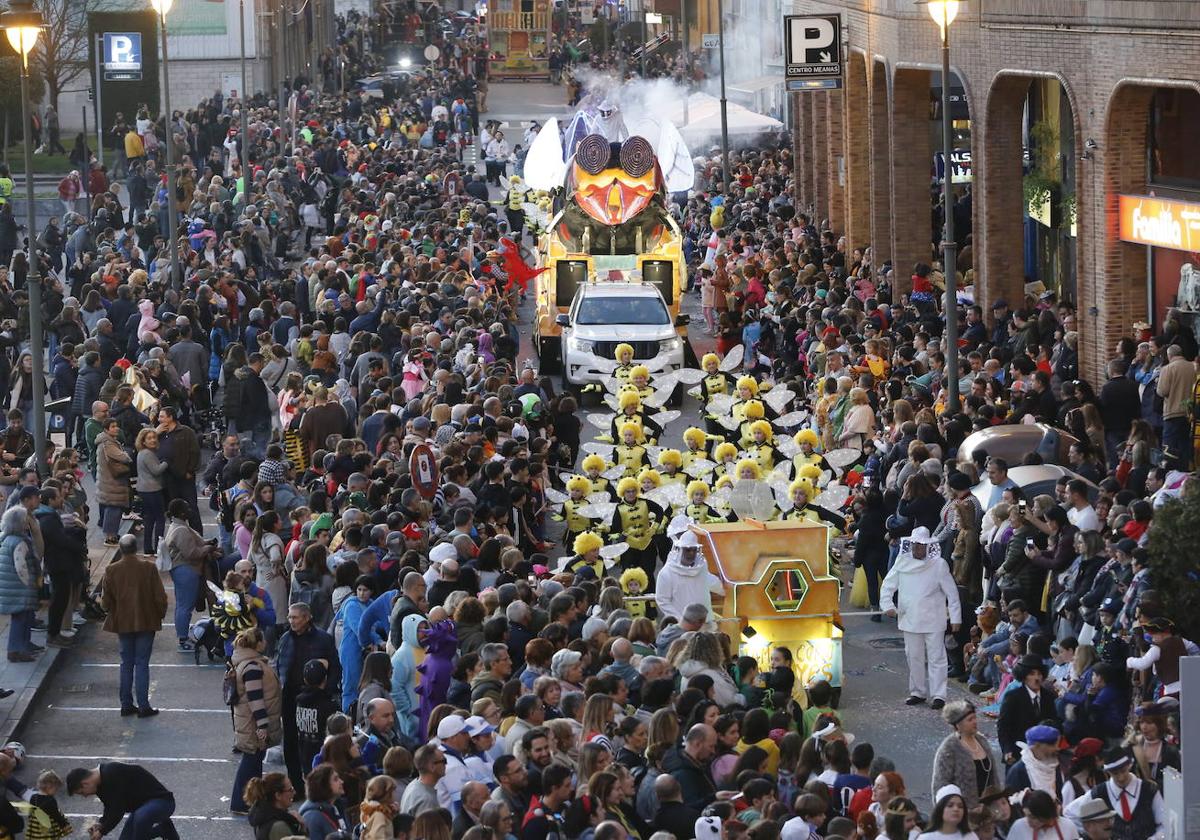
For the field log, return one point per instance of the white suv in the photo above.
(603, 315)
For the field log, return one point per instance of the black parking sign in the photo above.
(813, 45)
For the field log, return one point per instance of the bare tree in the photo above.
(62, 50)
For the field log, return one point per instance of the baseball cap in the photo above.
(476, 725)
(451, 726)
(1041, 735)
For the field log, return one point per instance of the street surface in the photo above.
(188, 746)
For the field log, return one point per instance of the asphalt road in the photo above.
(188, 746)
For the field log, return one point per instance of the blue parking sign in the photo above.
(122, 56)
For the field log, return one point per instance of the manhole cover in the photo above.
(887, 643)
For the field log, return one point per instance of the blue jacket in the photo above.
(997, 643)
(15, 595)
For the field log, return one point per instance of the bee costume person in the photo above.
(698, 510)
(671, 462)
(636, 521)
(633, 584)
(761, 448)
(624, 357)
(631, 411)
(802, 490)
(630, 454)
(751, 412)
(806, 439)
(715, 381)
(587, 554)
(593, 466)
(694, 441)
(725, 455)
(578, 488)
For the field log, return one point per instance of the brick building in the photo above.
(1125, 75)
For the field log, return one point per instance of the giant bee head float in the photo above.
(614, 182)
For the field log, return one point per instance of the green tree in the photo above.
(1173, 566)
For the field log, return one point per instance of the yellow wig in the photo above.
(622, 351)
(626, 484)
(670, 458)
(580, 483)
(696, 436)
(764, 427)
(709, 357)
(747, 465)
(754, 410)
(748, 382)
(811, 472)
(639, 370)
(587, 541)
(636, 428)
(650, 474)
(806, 436)
(634, 575)
(629, 398)
(695, 487)
(724, 450)
(593, 462)
(803, 485)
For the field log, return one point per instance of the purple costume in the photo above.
(441, 644)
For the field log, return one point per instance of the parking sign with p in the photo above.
(122, 56)
(813, 45)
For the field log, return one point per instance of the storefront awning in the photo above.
(757, 84)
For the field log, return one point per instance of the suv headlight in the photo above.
(580, 345)
(671, 345)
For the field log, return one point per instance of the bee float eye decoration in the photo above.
(614, 182)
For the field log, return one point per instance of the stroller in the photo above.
(206, 638)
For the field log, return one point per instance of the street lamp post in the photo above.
(245, 111)
(943, 13)
(162, 7)
(724, 103)
(22, 24)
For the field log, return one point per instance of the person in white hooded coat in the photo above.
(926, 597)
(685, 579)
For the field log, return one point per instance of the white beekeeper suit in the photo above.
(926, 596)
(685, 579)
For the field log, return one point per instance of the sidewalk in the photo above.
(26, 679)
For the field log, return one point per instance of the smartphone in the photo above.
(1021, 507)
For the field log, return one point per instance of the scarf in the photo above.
(1042, 774)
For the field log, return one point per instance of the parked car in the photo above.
(1034, 481)
(1013, 443)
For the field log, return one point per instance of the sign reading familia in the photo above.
(122, 56)
(1161, 222)
(813, 46)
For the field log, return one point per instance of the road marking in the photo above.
(118, 708)
(139, 758)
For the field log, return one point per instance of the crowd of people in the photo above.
(402, 562)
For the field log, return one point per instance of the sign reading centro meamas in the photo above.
(813, 46)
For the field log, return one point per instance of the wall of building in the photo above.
(1109, 56)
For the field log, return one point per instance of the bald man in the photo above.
(622, 651)
(673, 816)
(689, 766)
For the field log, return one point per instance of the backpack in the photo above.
(229, 689)
(304, 591)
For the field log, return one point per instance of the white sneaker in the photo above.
(67, 634)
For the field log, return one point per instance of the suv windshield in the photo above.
(622, 310)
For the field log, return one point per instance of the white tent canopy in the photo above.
(704, 119)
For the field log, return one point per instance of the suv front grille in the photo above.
(642, 350)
